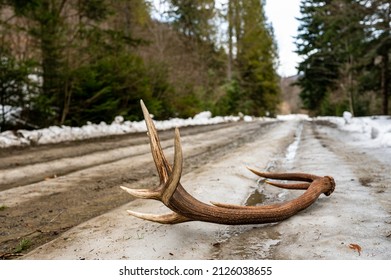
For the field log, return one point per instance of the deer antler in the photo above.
(187, 208)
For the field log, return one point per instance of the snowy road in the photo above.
(68, 195)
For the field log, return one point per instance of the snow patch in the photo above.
(57, 134)
(292, 148)
(9, 113)
(293, 117)
(374, 131)
(347, 116)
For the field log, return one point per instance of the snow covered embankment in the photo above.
(372, 132)
(57, 134)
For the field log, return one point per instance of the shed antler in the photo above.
(187, 208)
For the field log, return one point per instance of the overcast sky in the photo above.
(282, 14)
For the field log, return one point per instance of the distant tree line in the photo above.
(345, 46)
(66, 62)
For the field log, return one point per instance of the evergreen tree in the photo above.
(50, 25)
(330, 40)
(345, 46)
(193, 18)
(16, 88)
(255, 58)
(378, 22)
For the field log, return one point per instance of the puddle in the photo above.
(248, 241)
(292, 148)
(255, 198)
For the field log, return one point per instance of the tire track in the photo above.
(22, 156)
(20, 170)
(371, 166)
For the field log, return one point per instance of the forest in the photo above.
(345, 48)
(68, 62)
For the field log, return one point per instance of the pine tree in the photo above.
(378, 21)
(193, 18)
(51, 27)
(331, 41)
(255, 58)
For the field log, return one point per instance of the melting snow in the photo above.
(372, 131)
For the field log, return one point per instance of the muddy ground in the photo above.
(63, 201)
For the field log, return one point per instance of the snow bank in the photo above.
(56, 134)
(293, 117)
(374, 131)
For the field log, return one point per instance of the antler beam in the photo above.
(187, 208)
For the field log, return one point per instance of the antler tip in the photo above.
(141, 193)
(129, 190)
(172, 218)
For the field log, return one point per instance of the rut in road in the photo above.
(23, 166)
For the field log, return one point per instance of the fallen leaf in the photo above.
(51, 177)
(355, 247)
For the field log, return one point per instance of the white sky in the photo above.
(282, 14)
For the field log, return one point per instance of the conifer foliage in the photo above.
(67, 62)
(345, 46)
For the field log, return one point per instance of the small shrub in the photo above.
(24, 244)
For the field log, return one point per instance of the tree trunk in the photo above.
(67, 101)
(385, 82)
(230, 43)
(350, 85)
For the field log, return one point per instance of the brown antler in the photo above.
(186, 208)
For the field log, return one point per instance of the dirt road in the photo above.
(64, 202)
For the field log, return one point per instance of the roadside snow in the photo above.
(372, 131)
(57, 134)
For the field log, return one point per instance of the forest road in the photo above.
(63, 201)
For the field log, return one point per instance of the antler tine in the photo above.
(173, 181)
(143, 193)
(168, 182)
(161, 163)
(297, 186)
(172, 218)
(286, 176)
(165, 193)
